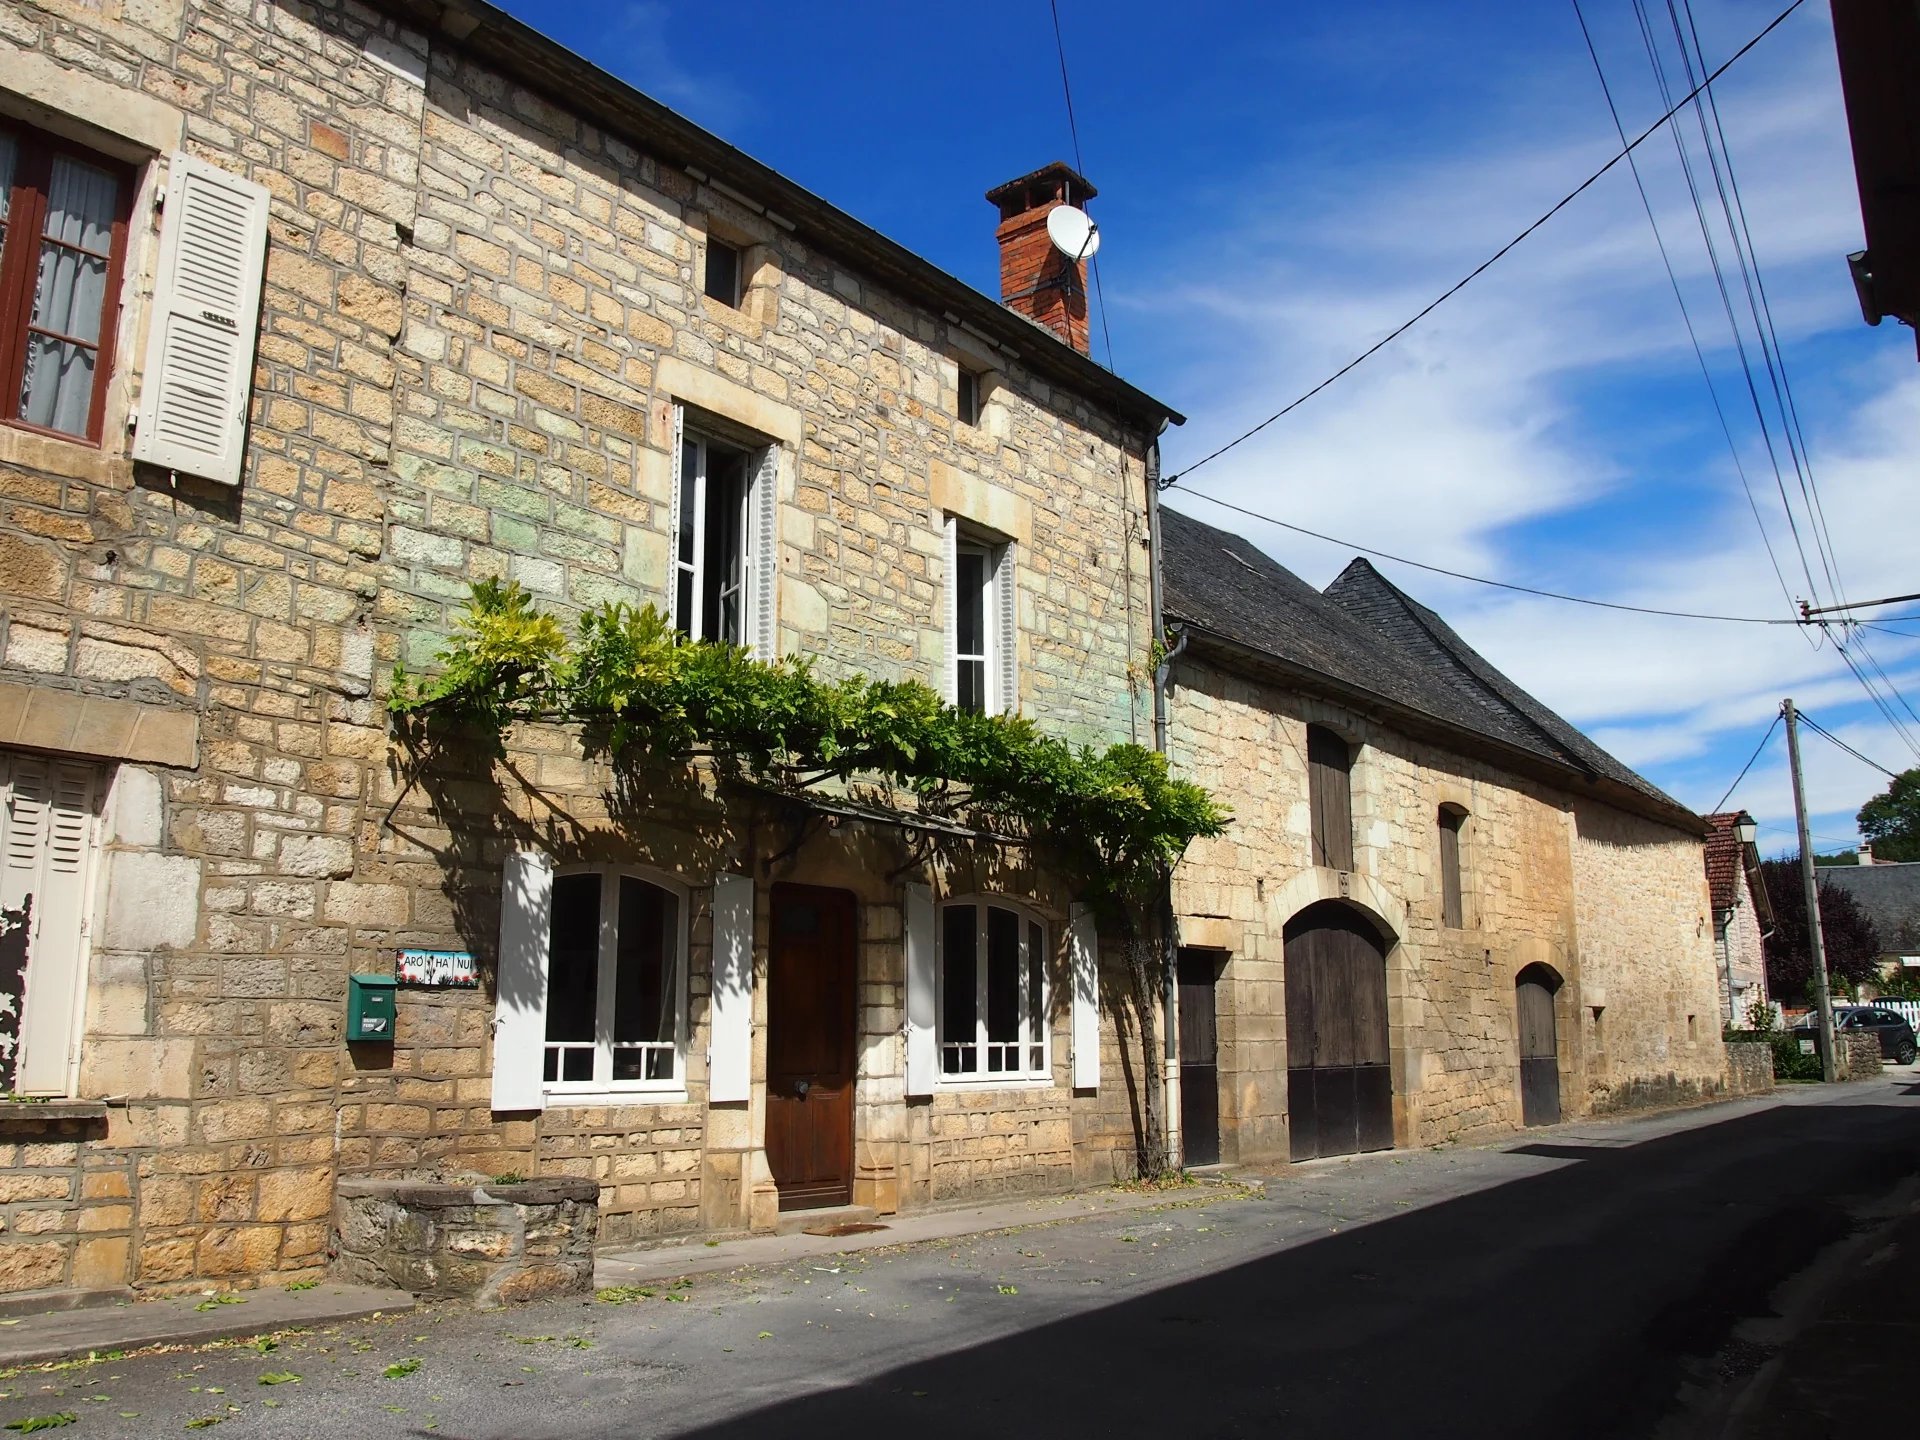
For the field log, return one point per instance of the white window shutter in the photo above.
(1083, 940)
(206, 306)
(923, 990)
(1006, 638)
(673, 517)
(763, 556)
(951, 690)
(730, 1048)
(520, 982)
(47, 855)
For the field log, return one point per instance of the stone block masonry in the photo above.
(491, 1244)
(480, 311)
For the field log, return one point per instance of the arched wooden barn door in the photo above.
(1539, 1046)
(1339, 1084)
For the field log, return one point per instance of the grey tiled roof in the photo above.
(1365, 633)
(1889, 896)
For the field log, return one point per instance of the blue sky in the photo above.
(1282, 184)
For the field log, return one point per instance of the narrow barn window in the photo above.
(722, 280)
(1330, 798)
(63, 240)
(616, 984)
(969, 403)
(993, 993)
(1452, 913)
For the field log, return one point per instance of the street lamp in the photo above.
(1745, 830)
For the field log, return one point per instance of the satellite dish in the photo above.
(1073, 232)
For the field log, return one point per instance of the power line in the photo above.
(1073, 129)
(1484, 265)
(1749, 765)
(1479, 579)
(1885, 679)
(1658, 67)
(1819, 729)
(1874, 695)
(1680, 298)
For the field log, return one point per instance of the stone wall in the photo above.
(1749, 1068)
(497, 1243)
(66, 1212)
(478, 313)
(1527, 900)
(1742, 957)
(1648, 983)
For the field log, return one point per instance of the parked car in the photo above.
(1897, 1042)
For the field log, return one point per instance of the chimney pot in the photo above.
(1036, 280)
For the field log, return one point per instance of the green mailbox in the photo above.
(370, 1007)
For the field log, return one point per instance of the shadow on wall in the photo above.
(1531, 1308)
(16, 927)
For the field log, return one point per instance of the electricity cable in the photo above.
(1479, 579)
(1819, 729)
(1686, 317)
(1748, 766)
(1484, 265)
(1073, 129)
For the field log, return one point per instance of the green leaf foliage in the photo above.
(42, 1422)
(1116, 818)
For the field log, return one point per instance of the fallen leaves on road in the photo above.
(400, 1368)
(279, 1377)
(42, 1422)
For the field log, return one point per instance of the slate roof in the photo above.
(1365, 634)
(1889, 896)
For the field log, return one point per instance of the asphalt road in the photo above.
(1573, 1283)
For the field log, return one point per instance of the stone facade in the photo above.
(1742, 960)
(481, 310)
(1612, 906)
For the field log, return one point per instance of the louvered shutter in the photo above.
(520, 982)
(952, 585)
(923, 989)
(763, 556)
(47, 856)
(1006, 635)
(674, 617)
(730, 1047)
(1083, 941)
(206, 304)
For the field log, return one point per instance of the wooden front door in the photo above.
(1539, 1050)
(1199, 1060)
(811, 1012)
(1339, 1082)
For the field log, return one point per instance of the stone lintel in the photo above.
(35, 718)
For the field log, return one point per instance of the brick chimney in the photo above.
(1035, 279)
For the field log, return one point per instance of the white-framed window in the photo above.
(981, 642)
(725, 506)
(616, 1002)
(48, 839)
(993, 992)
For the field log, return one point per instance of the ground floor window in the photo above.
(616, 984)
(993, 992)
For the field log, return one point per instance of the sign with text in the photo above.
(443, 969)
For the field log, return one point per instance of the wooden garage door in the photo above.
(1339, 1085)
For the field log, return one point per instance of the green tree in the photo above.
(1891, 821)
(1852, 946)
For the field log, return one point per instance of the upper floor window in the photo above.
(63, 240)
(710, 550)
(616, 985)
(1330, 797)
(971, 397)
(1452, 909)
(993, 993)
(980, 623)
(722, 278)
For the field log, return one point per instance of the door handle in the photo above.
(800, 1088)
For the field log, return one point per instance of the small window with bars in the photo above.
(616, 984)
(63, 241)
(993, 993)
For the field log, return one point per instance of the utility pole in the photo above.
(1829, 1062)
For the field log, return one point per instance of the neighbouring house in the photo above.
(1888, 894)
(352, 305)
(1742, 913)
(1441, 912)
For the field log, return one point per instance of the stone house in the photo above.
(1742, 914)
(344, 306)
(1441, 912)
